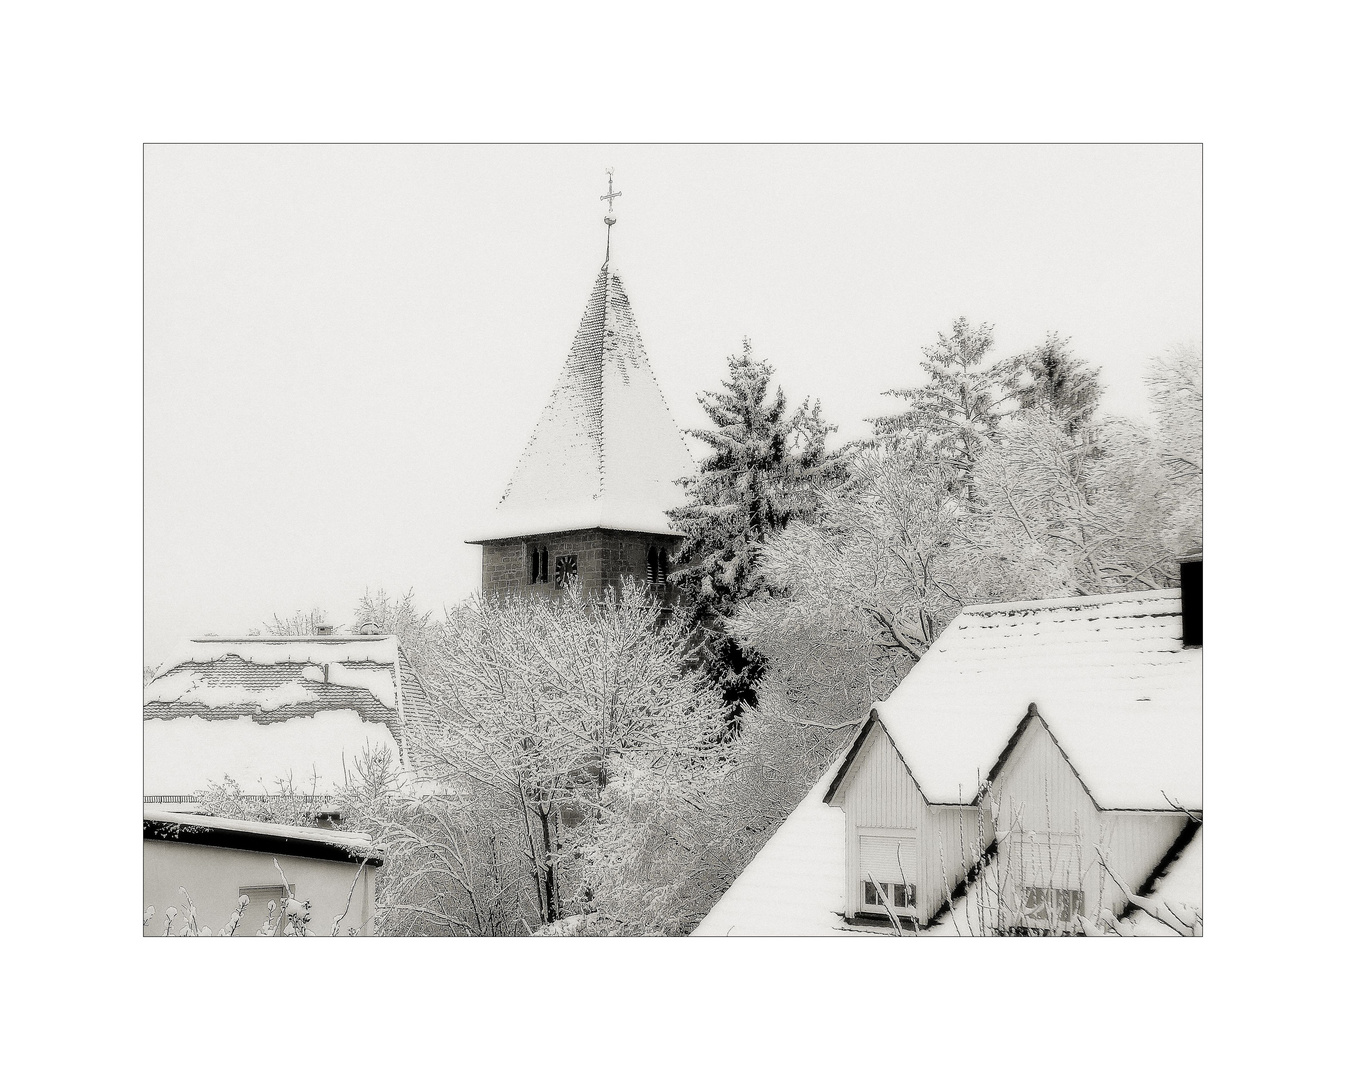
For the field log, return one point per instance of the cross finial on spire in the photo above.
(609, 220)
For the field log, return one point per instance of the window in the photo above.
(656, 565)
(888, 870)
(898, 896)
(1062, 905)
(544, 564)
(567, 567)
(255, 914)
(533, 569)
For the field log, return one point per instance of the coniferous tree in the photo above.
(954, 416)
(763, 471)
(1061, 382)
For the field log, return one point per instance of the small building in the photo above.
(589, 497)
(208, 863)
(1039, 767)
(298, 712)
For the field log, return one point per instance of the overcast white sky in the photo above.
(347, 346)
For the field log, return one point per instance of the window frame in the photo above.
(911, 886)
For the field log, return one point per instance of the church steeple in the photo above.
(606, 453)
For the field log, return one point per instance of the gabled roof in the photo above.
(1109, 677)
(260, 709)
(606, 453)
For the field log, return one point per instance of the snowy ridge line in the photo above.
(1156, 598)
(359, 843)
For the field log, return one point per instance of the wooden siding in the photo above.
(1134, 843)
(953, 844)
(1049, 826)
(879, 793)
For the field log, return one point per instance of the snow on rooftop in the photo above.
(1109, 676)
(359, 843)
(796, 885)
(606, 452)
(286, 650)
(1179, 889)
(183, 754)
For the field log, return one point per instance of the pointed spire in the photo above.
(606, 452)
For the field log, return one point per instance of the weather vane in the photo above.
(608, 219)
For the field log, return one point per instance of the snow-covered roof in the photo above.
(1110, 679)
(796, 885)
(1177, 893)
(606, 453)
(237, 832)
(260, 710)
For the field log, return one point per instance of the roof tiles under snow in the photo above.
(266, 709)
(1108, 674)
(606, 452)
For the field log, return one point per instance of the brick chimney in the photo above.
(1189, 580)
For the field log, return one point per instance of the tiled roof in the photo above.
(1110, 679)
(606, 452)
(272, 707)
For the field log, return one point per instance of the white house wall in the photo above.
(1133, 844)
(213, 876)
(879, 793)
(1057, 825)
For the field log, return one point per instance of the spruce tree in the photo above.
(762, 472)
(954, 416)
(1061, 382)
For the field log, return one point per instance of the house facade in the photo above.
(209, 863)
(1038, 771)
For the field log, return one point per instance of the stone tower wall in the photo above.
(603, 557)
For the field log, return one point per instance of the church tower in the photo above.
(589, 496)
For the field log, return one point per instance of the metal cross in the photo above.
(611, 194)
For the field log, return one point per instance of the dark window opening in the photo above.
(898, 896)
(532, 565)
(544, 564)
(652, 566)
(1064, 904)
(663, 565)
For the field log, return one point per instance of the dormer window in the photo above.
(889, 868)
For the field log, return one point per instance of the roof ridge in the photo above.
(1054, 602)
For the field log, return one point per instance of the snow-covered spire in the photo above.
(606, 453)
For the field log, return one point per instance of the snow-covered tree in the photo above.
(764, 470)
(300, 624)
(956, 413)
(380, 613)
(1059, 381)
(543, 705)
(1174, 380)
(857, 595)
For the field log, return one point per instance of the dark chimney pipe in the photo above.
(1189, 579)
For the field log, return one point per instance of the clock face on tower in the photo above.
(567, 566)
